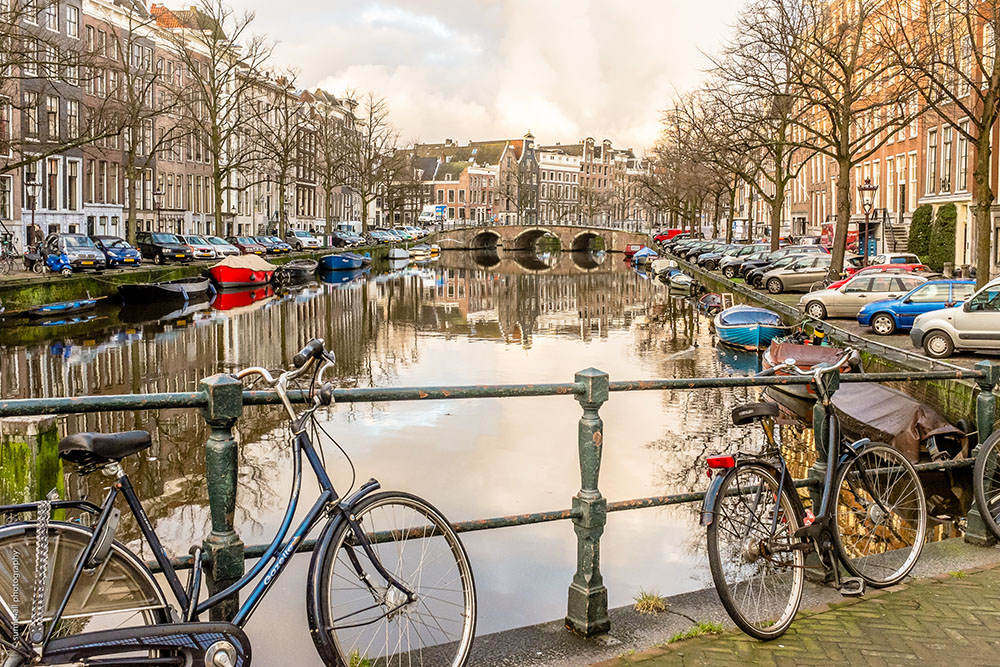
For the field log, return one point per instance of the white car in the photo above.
(222, 248)
(200, 248)
(974, 325)
(299, 239)
(893, 258)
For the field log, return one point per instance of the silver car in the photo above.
(200, 248)
(799, 276)
(849, 298)
(974, 325)
(300, 239)
(222, 248)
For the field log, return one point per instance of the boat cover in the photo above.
(805, 356)
(887, 415)
(749, 315)
(662, 265)
(645, 252)
(250, 262)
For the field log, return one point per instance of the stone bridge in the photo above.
(523, 237)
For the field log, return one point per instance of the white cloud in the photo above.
(478, 69)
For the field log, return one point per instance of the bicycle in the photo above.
(872, 517)
(7, 253)
(986, 483)
(389, 582)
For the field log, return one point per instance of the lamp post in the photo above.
(867, 191)
(33, 189)
(157, 200)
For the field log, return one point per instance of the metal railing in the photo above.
(221, 399)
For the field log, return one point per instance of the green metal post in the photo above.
(587, 610)
(223, 546)
(976, 531)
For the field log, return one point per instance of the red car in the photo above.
(882, 268)
(668, 234)
(246, 245)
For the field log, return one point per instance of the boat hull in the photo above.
(186, 289)
(340, 262)
(227, 277)
(62, 308)
(749, 336)
(295, 271)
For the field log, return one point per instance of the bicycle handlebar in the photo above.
(814, 371)
(303, 361)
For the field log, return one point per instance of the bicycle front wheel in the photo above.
(756, 567)
(986, 482)
(363, 619)
(881, 516)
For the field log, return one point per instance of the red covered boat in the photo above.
(240, 298)
(242, 271)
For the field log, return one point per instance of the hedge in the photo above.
(919, 242)
(942, 241)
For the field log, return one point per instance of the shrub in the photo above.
(942, 238)
(920, 231)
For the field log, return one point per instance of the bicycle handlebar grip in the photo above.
(313, 349)
(326, 394)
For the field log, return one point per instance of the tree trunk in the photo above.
(777, 203)
(282, 221)
(328, 196)
(981, 210)
(364, 214)
(715, 215)
(843, 216)
(732, 214)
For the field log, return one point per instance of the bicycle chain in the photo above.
(36, 630)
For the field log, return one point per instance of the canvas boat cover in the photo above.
(749, 315)
(805, 356)
(250, 262)
(645, 252)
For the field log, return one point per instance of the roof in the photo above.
(480, 152)
(192, 19)
(568, 149)
(453, 169)
(426, 167)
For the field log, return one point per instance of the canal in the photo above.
(465, 319)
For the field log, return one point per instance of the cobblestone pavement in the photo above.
(947, 620)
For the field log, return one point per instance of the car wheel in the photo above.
(938, 345)
(816, 309)
(298, 246)
(157, 259)
(774, 286)
(710, 266)
(758, 282)
(729, 272)
(883, 324)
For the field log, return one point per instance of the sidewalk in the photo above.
(951, 619)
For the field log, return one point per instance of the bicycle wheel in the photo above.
(758, 575)
(119, 592)
(881, 516)
(369, 622)
(986, 482)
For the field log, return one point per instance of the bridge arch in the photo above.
(485, 239)
(586, 240)
(531, 262)
(526, 240)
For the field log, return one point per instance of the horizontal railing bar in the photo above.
(380, 394)
(20, 407)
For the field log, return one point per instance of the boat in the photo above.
(342, 261)
(681, 281)
(64, 321)
(435, 250)
(366, 259)
(799, 398)
(62, 308)
(710, 303)
(420, 251)
(242, 271)
(163, 310)
(295, 271)
(749, 327)
(644, 256)
(662, 265)
(399, 253)
(187, 289)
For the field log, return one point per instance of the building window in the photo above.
(52, 183)
(52, 116)
(932, 165)
(946, 159)
(72, 118)
(73, 185)
(52, 16)
(6, 197)
(913, 180)
(113, 184)
(963, 157)
(31, 12)
(72, 21)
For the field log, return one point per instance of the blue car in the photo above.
(891, 315)
(117, 251)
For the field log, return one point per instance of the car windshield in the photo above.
(165, 238)
(77, 242)
(246, 240)
(302, 235)
(261, 239)
(195, 240)
(930, 293)
(215, 240)
(118, 243)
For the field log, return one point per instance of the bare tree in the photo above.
(947, 50)
(221, 59)
(370, 148)
(332, 121)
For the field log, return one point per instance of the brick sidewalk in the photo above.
(949, 620)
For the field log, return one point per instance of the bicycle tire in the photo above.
(988, 490)
(348, 646)
(114, 592)
(878, 529)
(772, 621)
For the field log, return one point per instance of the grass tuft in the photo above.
(649, 602)
(703, 628)
(958, 575)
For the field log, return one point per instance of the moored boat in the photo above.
(242, 271)
(420, 251)
(662, 265)
(62, 308)
(399, 253)
(366, 259)
(184, 288)
(241, 298)
(799, 398)
(295, 271)
(682, 282)
(644, 256)
(342, 261)
(749, 327)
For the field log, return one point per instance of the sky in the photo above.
(492, 69)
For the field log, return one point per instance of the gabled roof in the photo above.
(192, 19)
(426, 167)
(480, 152)
(453, 169)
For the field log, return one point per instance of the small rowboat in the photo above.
(366, 259)
(295, 271)
(749, 327)
(399, 253)
(344, 261)
(62, 308)
(242, 271)
(187, 289)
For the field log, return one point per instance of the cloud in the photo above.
(479, 69)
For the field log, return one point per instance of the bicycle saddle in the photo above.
(750, 412)
(89, 450)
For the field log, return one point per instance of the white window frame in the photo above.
(73, 21)
(52, 15)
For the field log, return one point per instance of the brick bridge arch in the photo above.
(523, 237)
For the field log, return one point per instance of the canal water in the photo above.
(464, 319)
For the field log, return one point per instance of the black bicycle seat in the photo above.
(744, 414)
(89, 450)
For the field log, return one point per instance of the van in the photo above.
(352, 226)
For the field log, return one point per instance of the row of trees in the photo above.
(225, 95)
(806, 78)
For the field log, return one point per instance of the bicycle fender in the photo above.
(711, 498)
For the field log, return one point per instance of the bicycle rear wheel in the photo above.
(357, 622)
(881, 516)
(758, 574)
(986, 482)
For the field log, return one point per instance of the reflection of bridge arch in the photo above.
(530, 261)
(485, 239)
(486, 257)
(588, 260)
(585, 241)
(526, 240)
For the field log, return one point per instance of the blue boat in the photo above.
(366, 258)
(341, 277)
(62, 308)
(344, 261)
(749, 327)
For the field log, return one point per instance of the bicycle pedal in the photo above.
(852, 587)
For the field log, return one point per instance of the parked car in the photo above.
(974, 325)
(919, 269)
(775, 255)
(382, 236)
(665, 235)
(849, 298)
(301, 239)
(755, 276)
(342, 240)
(77, 251)
(710, 259)
(247, 245)
(887, 317)
(222, 247)
(798, 276)
(270, 247)
(730, 264)
(894, 258)
(162, 247)
(200, 248)
(279, 243)
(117, 251)
(809, 240)
(403, 232)
(708, 246)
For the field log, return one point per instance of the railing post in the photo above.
(587, 609)
(976, 531)
(223, 546)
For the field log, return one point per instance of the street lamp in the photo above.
(33, 188)
(157, 201)
(867, 191)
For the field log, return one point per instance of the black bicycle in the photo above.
(872, 517)
(389, 582)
